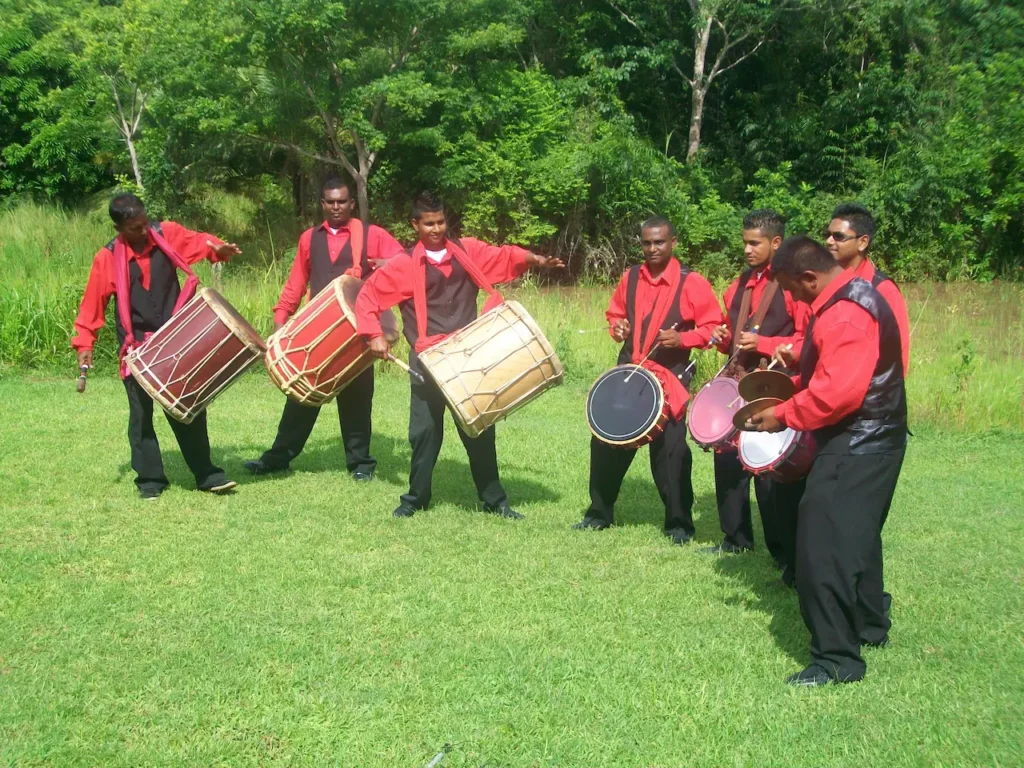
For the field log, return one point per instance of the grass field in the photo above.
(296, 622)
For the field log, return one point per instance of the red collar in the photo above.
(667, 274)
(865, 271)
(831, 290)
(327, 227)
(132, 255)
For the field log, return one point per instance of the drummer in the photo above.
(340, 245)
(849, 237)
(436, 285)
(779, 322)
(657, 302)
(851, 395)
(139, 268)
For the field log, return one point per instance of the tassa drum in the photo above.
(195, 355)
(493, 367)
(318, 353)
(626, 407)
(785, 456)
(710, 415)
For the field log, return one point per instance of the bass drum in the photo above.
(626, 407)
(785, 456)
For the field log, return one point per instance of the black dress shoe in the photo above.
(403, 511)
(226, 487)
(725, 548)
(789, 576)
(813, 676)
(150, 494)
(679, 536)
(362, 477)
(258, 467)
(591, 524)
(502, 510)
(875, 643)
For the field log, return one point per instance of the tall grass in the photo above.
(967, 348)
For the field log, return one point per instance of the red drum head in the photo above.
(710, 414)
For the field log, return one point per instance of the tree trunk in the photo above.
(698, 88)
(363, 196)
(135, 162)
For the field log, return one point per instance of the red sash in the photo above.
(419, 290)
(122, 289)
(356, 233)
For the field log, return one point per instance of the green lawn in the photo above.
(296, 622)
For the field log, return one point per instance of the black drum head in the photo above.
(620, 411)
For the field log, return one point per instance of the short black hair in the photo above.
(125, 207)
(659, 221)
(426, 202)
(336, 182)
(768, 220)
(799, 254)
(860, 218)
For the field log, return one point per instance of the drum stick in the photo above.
(776, 362)
(732, 357)
(414, 375)
(82, 373)
(647, 356)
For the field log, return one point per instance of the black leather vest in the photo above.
(674, 360)
(880, 424)
(150, 309)
(322, 270)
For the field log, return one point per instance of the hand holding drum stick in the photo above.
(83, 370)
(647, 356)
(416, 376)
(84, 364)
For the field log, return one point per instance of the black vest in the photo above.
(150, 309)
(880, 424)
(451, 301)
(674, 360)
(322, 270)
(777, 321)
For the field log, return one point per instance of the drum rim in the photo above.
(657, 413)
(388, 324)
(703, 439)
(794, 436)
(248, 335)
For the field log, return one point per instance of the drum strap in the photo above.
(762, 308)
(122, 289)
(419, 290)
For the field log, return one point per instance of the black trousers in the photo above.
(671, 466)
(193, 441)
(732, 491)
(426, 433)
(839, 575)
(355, 409)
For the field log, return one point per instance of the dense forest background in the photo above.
(554, 123)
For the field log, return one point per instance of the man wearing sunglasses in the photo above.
(849, 237)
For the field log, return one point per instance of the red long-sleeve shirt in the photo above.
(191, 246)
(891, 293)
(393, 283)
(766, 345)
(846, 338)
(697, 303)
(379, 245)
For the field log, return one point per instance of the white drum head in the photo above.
(759, 450)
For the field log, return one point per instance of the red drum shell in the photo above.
(784, 456)
(318, 353)
(195, 355)
(709, 417)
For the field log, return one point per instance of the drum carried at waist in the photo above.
(785, 456)
(318, 353)
(493, 367)
(626, 407)
(195, 355)
(710, 415)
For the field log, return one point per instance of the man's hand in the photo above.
(669, 338)
(544, 262)
(378, 263)
(84, 358)
(379, 347)
(224, 250)
(786, 356)
(765, 421)
(620, 330)
(747, 342)
(720, 333)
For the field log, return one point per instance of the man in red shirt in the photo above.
(436, 286)
(139, 269)
(754, 300)
(339, 246)
(662, 303)
(851, 396)
(849, 236)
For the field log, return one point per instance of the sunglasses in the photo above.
(839, 237)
